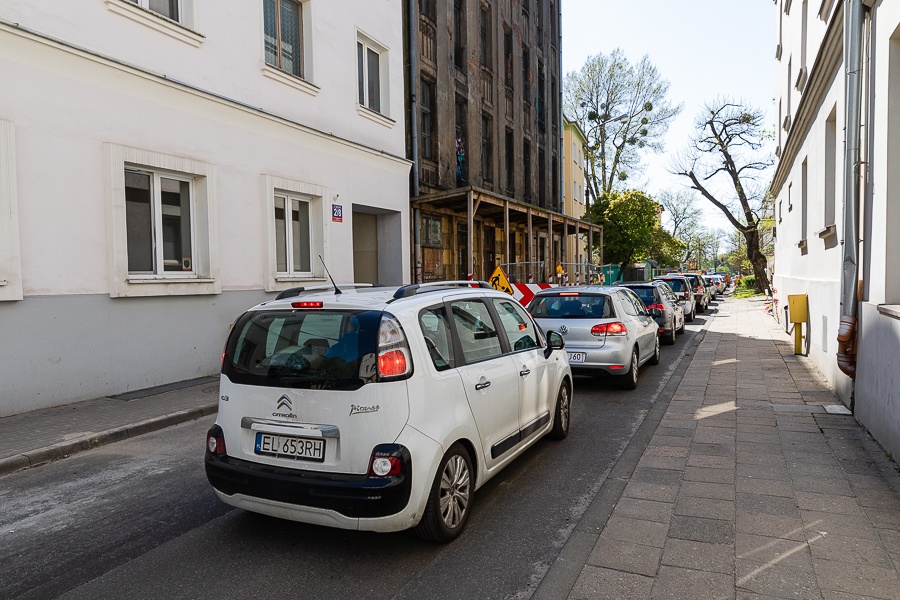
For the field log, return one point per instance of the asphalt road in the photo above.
(138, 519)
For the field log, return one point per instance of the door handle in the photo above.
(524, 372)
(481, 386)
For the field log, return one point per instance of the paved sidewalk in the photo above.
(748, 488)
(32, 438)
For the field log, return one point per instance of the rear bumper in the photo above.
(352, 496)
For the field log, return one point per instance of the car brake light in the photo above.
(569, 293)
(392, 363)
(656, 306)
(393, 350)
(215, 441)
(306, 304)
(614, 328)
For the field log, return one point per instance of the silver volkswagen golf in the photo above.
(607, 329)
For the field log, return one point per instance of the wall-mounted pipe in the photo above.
(847, 331)
(413, 16)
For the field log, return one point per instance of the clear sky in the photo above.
(704, 48)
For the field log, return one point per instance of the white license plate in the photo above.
(290, 447)
(576, 357)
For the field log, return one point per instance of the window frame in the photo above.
(428, 109)
(368, 44)
(10, 249)
(184, 29)
(315, 195)
(204, 275)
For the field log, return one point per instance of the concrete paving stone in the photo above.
(776, 580)
(868, 482)
(680, 423)
(746, 420)
(647, 510)
(836, 422)
(625, 556)
(668, 440)
(651, 491)
(748, 595)
(600, 582)
(838, 524)
(805, 469)
(771, 550)
(675, 431)
(884, 518)
(838, 486)
(817, 458)
(759, 458)
(667, 451)
(756, 448)
(712, 449)
(662, 462)
(714, 435)
(831, 503)
(785, 401)
(685, 417)
(833, 595)
(855, 578)
(759, 438)
(766, 505)
(708, 508)
(700, 556)
(764, 487)
(699, 529)
(678, 583)
(658, 476)
(725, 422)
(802, 437)
(638, 531)
(699, 489)
(877, 498)
(768, 471)
(796, 421)
(708, 475)
(851, 549)
(857, 467)
(712, 462)
(890, 538)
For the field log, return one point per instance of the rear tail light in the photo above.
(215, 441)
(656, 306)
(306, 304)
(687, 294)
(388, 460)
(615, 328)
(393, 350)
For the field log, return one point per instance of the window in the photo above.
(294, 216)
(168, 8)
(462, 174)
(831, 160)
(541, 100)
(804, 198)
(163, 227)
(526, 63)
(575, 190)
(431, 231)
(508, 57)
(518, 326)
(487, 149)
(478, 338)
(10, 263)
(428, 8)
(283, 30)
(368, 62)
(158, 222)
(485, 37)
(175, 18)
(526, 158)
(459, 34)
(436, 329)
(428, 118)
(510, 160)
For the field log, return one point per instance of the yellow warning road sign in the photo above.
(500, 282)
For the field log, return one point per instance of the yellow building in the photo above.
(576, 253)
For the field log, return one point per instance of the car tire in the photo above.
(680, 330)
(701, 308)
(628, 381)
(670, 339)
(561, 415)
(453, 485)
(654, 359)
(690, 316)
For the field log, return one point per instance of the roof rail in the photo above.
(296, 291)
(412, 289)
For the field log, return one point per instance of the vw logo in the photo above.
(563, 329)
(284, 402)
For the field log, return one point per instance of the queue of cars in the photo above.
(383, 409)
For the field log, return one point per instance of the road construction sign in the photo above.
(499, 281)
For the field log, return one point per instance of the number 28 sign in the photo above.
(337, 213)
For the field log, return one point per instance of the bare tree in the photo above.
(622, 110)
(725, 163)
(680, 211)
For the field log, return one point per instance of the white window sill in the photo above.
(290, 80)
(156, 21)
(891, 310)
(375, 116)
(136, 286)
(159, 279)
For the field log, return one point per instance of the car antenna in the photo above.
(336, 289)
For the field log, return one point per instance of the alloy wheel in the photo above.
(455, 491)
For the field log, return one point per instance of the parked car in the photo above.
(682, 287)
(711, 288)
(382, 408)
(657, 294)
(726, 276)
(701, 292)
(720, 283)
(606, 328)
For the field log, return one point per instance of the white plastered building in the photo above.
(834, 195)
(165, 164)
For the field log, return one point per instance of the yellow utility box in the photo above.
(798, 313)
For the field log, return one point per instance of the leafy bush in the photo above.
(748, 282)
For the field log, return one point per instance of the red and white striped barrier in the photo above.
(524, 292)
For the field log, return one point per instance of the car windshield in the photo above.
(676, 284)
(581, 306)
(309, 349)
(645, 293)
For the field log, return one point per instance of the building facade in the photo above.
(485, 133)
(837, 195)
(188, 159)
(577, 252)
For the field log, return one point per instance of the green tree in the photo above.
(726, 164)
(623, 111)
(665, 248)
(629, 221)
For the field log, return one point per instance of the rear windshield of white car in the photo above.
(582, 306)
(311, 349)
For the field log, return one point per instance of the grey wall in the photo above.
(877, 404)
(56, 350)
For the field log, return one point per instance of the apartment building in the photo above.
(837, 206)
(485, 135)
(165, 164)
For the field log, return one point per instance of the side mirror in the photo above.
(554, 342)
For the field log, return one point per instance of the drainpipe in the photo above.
(560, 116)
(847, 331)
(413, 14)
